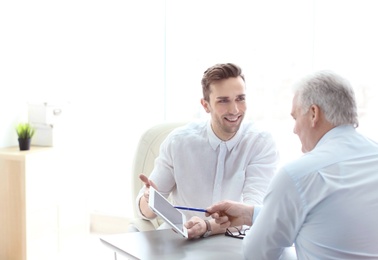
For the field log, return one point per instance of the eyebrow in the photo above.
(238, 96)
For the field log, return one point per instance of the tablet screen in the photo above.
(162, 207)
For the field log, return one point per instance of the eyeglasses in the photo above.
(236, 232)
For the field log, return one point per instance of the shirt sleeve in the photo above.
(162, 174)
(278, 222)
(261, 169)
(256, 212)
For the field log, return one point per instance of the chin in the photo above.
(233, 130)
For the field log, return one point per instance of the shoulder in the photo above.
(190, 129)
(250, 129)
(309, 164)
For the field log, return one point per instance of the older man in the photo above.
(326, 201)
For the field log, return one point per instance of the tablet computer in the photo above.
(163, 208)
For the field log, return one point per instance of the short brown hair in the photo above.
(218, 72)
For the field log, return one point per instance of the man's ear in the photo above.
(315, 115)
(205, 105)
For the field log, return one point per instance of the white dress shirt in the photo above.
(326, 202)
(198, 169)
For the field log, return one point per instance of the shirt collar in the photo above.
(334, 132)
(215, 141)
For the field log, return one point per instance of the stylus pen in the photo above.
(192, 209)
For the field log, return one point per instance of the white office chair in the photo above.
(146, 153)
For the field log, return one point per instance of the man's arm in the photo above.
(260, 170)
(143, 201)
(162, 175)
(278, 222)
(230, 213)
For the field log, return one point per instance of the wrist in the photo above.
(144, 208)
(208, 229)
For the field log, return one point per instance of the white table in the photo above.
(166, 244)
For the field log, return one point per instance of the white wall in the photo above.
(275, 42)
(105, 59)
(121, 66)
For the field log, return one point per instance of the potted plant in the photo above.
(25, 132)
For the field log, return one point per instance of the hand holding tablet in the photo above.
(163, 208)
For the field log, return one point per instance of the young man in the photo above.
(207, 161)
(325, 202)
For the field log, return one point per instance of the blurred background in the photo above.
(118, 67)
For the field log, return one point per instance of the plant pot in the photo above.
(24, 144)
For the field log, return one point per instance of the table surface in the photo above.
(166, 244)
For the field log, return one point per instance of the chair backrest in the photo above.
(146, 153)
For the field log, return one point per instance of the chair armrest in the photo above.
(139, 224)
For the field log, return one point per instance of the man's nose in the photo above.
(233, 108)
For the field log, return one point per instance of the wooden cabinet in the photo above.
(29, 203)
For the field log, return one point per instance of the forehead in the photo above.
(228, 87)
(295, 105)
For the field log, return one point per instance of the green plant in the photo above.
(25, 131)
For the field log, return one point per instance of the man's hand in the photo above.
(196, 227)
(143, 202)
(148, 184)
(230, 213)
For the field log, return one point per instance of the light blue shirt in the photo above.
(197, 169)
(326, 202)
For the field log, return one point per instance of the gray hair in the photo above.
(333, 94)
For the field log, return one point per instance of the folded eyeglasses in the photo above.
(236, 232)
